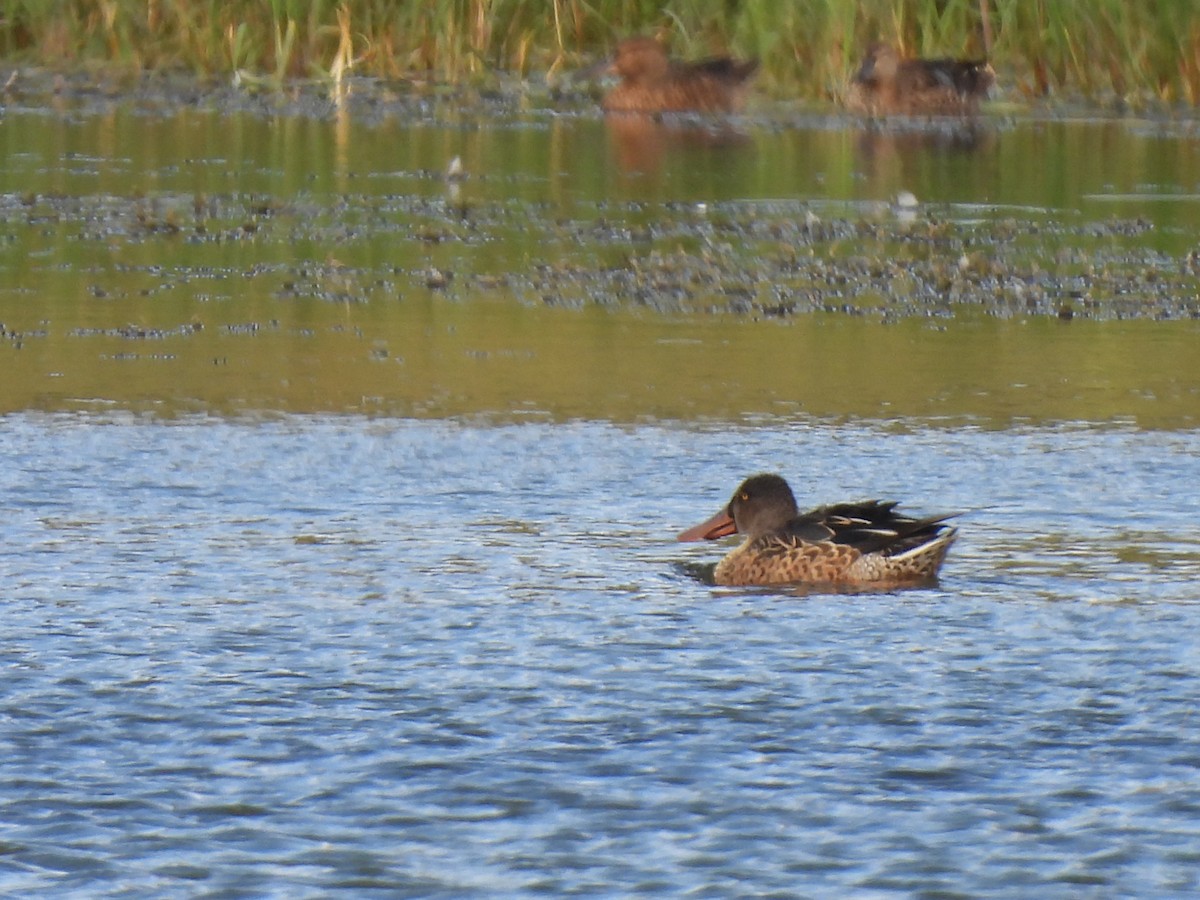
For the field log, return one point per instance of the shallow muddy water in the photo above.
(197, 259)
(338, 501)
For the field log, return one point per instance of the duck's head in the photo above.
(881, 63)
(761, 503)
(639, 58)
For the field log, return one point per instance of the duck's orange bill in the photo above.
(718, 526)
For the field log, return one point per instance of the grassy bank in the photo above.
(1103, 49)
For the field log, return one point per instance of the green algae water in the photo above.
(440, 359)
(317, 258)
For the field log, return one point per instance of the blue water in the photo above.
(301, 657)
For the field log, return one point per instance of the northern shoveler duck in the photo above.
(888, 84)
(651, 82)
(862, 544)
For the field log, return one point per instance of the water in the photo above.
(338, 503)
(311, 655)
(215, 261)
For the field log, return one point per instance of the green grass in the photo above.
(1109, 50)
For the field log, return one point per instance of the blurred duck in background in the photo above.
(889, 84)
(652, 82)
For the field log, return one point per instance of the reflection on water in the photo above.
(641, 144)
(892, 157)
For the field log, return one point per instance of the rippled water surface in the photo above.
(312, 655)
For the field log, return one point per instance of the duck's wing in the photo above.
(724, 68)
(963, 76)
(868, 526)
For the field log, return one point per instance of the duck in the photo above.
(652, 82)
(860, 544)
(889, 84)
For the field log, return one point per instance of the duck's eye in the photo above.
(744, 496)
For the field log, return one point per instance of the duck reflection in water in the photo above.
(888, 84)
(642, 144)
(892, 155)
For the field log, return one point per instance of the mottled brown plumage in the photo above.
(653, 83)
(887, 84)
(865, 543)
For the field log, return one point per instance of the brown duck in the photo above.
(860, 544)
(651, 82)
(888, 84)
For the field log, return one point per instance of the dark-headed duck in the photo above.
(861, 544)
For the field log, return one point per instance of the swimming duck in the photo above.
(861, 544)
(888, 84)
(653, 83)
